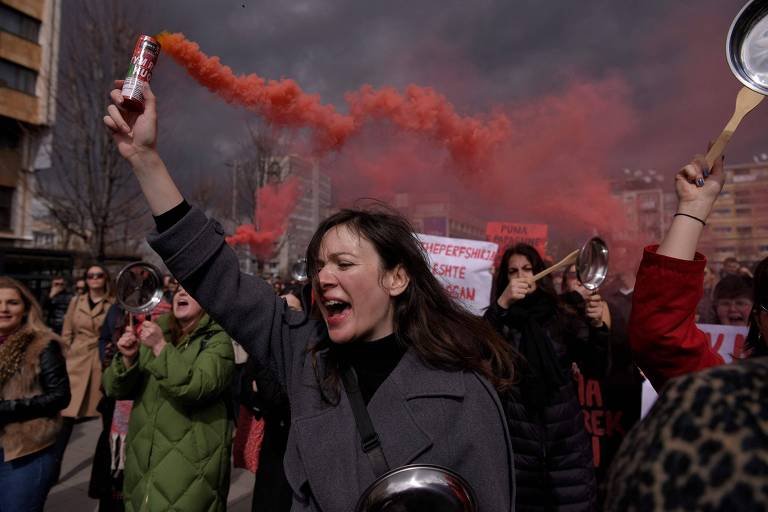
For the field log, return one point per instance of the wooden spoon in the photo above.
(565, 262)
(746, 100)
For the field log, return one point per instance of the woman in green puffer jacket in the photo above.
(178, 372)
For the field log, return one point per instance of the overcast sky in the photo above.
(650, 76)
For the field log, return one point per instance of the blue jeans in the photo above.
(25, 482)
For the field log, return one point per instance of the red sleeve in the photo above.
(662, 331)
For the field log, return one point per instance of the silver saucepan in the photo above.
(591, 264)
(746, 49)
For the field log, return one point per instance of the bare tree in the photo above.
(205, 193)
(257, 166)
(89, 190)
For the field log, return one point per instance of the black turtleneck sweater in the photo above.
(373, 361)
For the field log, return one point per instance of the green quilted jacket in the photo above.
(180, 433)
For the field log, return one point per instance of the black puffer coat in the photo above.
(553, 454)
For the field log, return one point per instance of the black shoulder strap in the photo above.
(369, 437)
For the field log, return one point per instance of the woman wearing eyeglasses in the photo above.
(80, 334)
(702, 446)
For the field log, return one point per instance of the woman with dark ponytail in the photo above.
(553, 454)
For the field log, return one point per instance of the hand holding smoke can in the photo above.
(143, 62)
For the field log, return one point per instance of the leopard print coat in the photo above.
(703, 446)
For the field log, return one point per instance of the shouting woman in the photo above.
(427, 370)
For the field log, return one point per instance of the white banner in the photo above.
(465, 268)
(726, 339)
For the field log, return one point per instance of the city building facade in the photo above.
(648, 205)
(439, 214)
(738, 224)
(29, 48)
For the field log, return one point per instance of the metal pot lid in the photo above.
(418, 487)
(299, 270)
(139, 287)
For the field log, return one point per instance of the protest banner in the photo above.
(465, 268)
(505, 234)
(610, 405)
(727, 340)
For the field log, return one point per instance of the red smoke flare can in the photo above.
(143, 62)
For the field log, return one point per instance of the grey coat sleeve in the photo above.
(195, 251)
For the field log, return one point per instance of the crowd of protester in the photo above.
(176, 406)
(319, 388)
(557, 465)
(575, 362)
(532, 379)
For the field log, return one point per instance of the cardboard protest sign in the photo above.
(726, 339)
(465, 268)
(509, 233)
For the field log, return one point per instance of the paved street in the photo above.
(71, 493)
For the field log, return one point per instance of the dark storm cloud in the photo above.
(331, 47)
(479, 54)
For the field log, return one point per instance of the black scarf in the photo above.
(542, 374)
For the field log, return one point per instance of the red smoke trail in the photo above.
(275, 203)
(550, 168)
(541, 161)
(423, 110)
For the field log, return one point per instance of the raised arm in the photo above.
(662, 332)
(697, 189)
(135, 135)
(193, 247)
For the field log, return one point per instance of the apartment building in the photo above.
(29, 47)
(738, 224)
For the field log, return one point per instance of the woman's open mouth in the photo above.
(181, 304)
(336, 311)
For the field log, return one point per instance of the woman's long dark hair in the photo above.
(441, 332)
(501, 279)
(755, 344)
